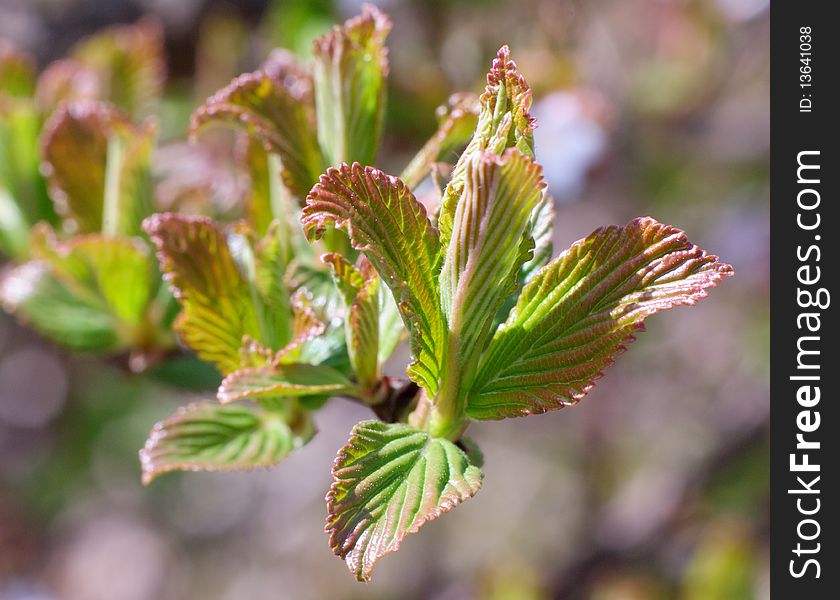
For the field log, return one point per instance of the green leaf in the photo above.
(276, 112)
(503, 122)
(206, 436)
(457, 119)
(218, 309)
(97, 165)
(290, 380)
(130, 64)
(390, 226)
(350, 69)
(89, 294)
(37, 297)
(388, 481)
(542, 232)
(577, 313)
(17, 72)
(484, 257)
(23, 195)
(361, 321)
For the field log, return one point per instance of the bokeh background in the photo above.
(654, 487)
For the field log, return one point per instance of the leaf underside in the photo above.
(388, 481)
(577, 313)
(205, 436)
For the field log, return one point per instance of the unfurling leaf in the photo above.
(97, 165)
(130, 64)
(504, 121)
(288, 380)
(216, 299)
(388, 481)
(89, 294)
(206, 436)
(457, 120)
(350, 68)
(276, 112)
(390, 226)
(575, 315)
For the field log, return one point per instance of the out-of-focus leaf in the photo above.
(89, 294)
(206, 436)
(351, 66)
(361, 295)
(33, 293)
(23, 195)
(503, 122)
(130, 64)
(276, 112)
(457, 120)
(305, 326)
(390, 226)
(66, 80)
(97, 165)
(217, 304)
(577, 313)
(17, 72)
(388, 481)
(484, 255)
(290, 380)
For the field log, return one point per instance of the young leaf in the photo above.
(130, 64)
(351, 66)
(66, 80)
(205, 436)
(457, 120)
(216, 299)
(577, 313)
(89, 294)
(388, 481)
(17, 72)
(542, 232)
(277, 113)
(361, 295)
(290, 380)
(390, 226)
(97, 165)
(484, 257)
(503, 122)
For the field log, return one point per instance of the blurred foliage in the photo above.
(671, 101)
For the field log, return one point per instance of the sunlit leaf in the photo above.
(290, 380)
(130, 64)
(97, 165)
(388, 481)
(542, 232)
(457, 120)
(485, 253)
(206, 436)
(390, 226)
(350, 69)
(216, 299)
(504, 122)
(276, 112)
(577, 313)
